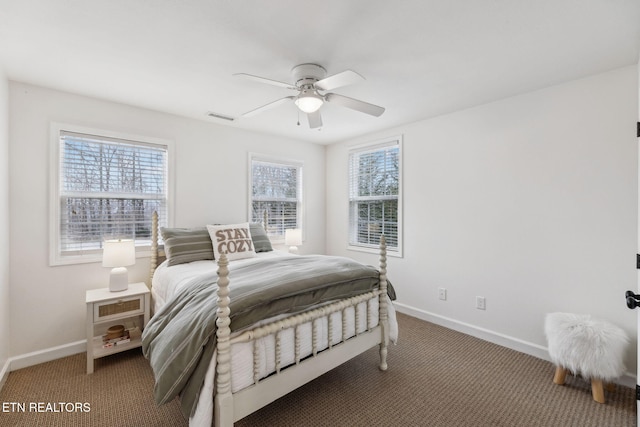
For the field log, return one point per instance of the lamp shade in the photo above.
(118, 253)
(293, 237)
(309, 101)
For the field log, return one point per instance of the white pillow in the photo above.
(234, 240)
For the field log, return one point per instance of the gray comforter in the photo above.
(179, 341)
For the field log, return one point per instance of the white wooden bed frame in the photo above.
(230, 407)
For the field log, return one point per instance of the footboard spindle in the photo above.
(297, 344)
(344, 324)
(314, 338)
(330, 331)
(278, 350)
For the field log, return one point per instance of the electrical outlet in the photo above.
(481, 303)
(442, 294)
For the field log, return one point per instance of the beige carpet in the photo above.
(436, 377)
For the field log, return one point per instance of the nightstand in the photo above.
(105, 309)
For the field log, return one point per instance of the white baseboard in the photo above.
(46, 355)
(541, 352)
(4, 372)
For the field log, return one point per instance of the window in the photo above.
(375, 196)
(276, 189)
(103, 187)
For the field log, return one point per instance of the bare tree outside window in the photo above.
(374, 189)
(276, 191)
(109, 188)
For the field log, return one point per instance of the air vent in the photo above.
(220, 116)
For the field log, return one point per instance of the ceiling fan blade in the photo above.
(315, 119)
(269, 106)
(337, 80)
(265, 80)
(354, 104)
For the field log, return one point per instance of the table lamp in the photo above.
(293, 239)
(118, 254)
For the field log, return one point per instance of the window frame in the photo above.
(286, 162)
(56, 257)
(396, 251)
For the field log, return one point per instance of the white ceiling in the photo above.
(420, 58)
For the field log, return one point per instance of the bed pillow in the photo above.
(261, 242)
(182, 245)
(233, 240)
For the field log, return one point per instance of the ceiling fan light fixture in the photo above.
(312, 88)
(309, 101)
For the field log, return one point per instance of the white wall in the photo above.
(4, 226)
(47, 303)
(530, 201)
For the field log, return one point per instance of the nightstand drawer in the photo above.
(116, 308)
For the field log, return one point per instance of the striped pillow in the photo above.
(182, 245)
(261, 242)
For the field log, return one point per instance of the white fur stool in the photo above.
(585, 346)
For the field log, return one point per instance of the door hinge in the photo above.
(638, 130)
(637, 392)
(638, 261)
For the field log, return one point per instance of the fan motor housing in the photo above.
(307, 74)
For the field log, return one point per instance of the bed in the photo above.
(229, 342)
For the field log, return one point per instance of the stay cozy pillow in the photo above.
(233, 240)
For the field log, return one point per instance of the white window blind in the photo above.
(276, 189)
(374, 196)
(107, 188)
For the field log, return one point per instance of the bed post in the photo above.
(223, 411)
(383, 313)
(154, 246)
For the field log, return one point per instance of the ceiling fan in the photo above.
(311, 83)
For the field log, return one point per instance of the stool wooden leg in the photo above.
(597, 390)
(559, 376)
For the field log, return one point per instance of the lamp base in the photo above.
(293, 250)
(119, 279)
